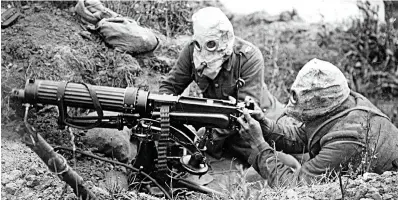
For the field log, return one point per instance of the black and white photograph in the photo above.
(199, 99)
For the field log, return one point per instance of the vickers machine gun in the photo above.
(160, 122)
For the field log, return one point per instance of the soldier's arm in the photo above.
(252, 72)
(287, 138)
(332, 156)
(180, 75)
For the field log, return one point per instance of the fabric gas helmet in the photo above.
(319, 88)
(213, 40)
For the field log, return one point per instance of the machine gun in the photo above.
(160, 122)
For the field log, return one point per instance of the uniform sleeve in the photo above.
(252, 72)
(331, 157)
(287, 138)
(180, 75)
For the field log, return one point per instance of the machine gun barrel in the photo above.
(75, 94)
(130, 100)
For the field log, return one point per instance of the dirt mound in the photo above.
(49, 43)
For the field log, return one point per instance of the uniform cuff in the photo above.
(256, 151)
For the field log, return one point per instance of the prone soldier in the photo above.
(340, 128)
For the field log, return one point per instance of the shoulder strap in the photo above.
(239, 81)
(341, 114)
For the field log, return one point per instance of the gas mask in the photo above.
(319, 88)
(213, 41)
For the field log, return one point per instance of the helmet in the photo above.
(319, 88)
(213, 40)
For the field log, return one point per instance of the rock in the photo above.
(25, 7)
(388, 180)
(19, 182)
(98, 174)
(33, 183)
(33, 171)
(70, 196)
(368, 176)
(291, 194)
(30, 177)
(111, 142)
(11, 188)
(387, 174)
(376, 196)
(11, 176)
(337, 195)
(37, 8)
(72, 10)
(98, 190)
(85, 35)
(387, 196)
(41, 171)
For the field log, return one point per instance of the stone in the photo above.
(387, 173)
(98, 174)
(111, 142)
(33, 171)
(30, 177)
(11, 188)
(72, 10)
(25, 7)
(291, 194)
(368, 176)
(98, 190)
(19, 182)
(85, 35)
(33, 183)
(387, 196)
(388, 180)
(376, 196)
(11, 176)
(337, 195)
(37, 8)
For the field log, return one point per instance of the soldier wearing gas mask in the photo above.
(216, 59)
(341, 130)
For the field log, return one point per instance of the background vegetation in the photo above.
(365, 50)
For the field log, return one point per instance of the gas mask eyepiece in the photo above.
(211, 45)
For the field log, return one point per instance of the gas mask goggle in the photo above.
(213, 41)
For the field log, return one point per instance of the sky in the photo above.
(309, 10)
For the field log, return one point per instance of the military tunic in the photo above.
(355, 133)
(246, 62)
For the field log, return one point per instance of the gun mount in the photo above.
(159, 121)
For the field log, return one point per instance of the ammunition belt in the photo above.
(163, 144)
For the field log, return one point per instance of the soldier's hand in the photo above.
(258, 113)
(250, 129)
(232, 99)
